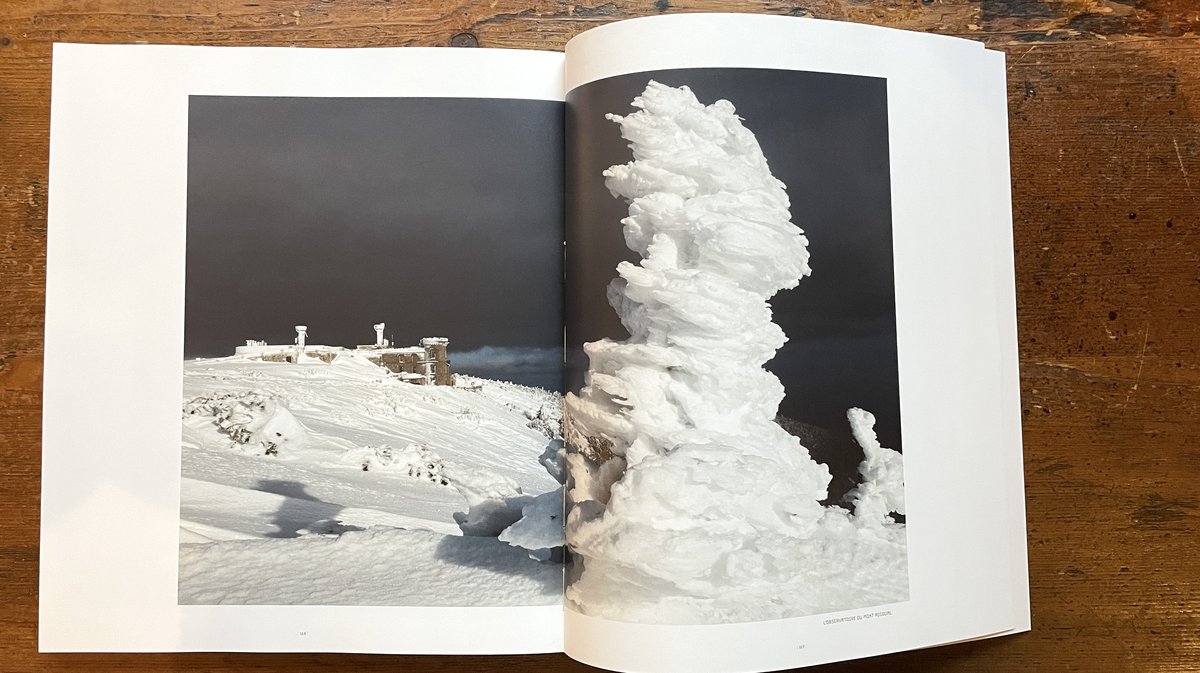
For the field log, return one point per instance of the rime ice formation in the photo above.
(882, 490)
(687, 502)
(497, 508)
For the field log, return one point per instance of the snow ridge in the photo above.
(321, 482)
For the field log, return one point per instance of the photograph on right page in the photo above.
(732, 405)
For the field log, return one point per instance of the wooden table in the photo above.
(1104, 97)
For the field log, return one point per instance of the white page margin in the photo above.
(1006, 299)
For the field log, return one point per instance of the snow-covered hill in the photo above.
(336, 483)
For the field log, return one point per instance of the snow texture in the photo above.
(338, 483)
(687, 502)
(379, 566)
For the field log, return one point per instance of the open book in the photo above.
(692, 348)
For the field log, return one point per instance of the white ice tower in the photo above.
(301, 336)
(689, 503)
(379, 340)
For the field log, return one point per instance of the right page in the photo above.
(792, 413)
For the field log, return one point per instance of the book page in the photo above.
(303, 351)
(791, 409)
(1009, 409)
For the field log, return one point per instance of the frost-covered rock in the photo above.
(554, 459)
(417, 460)
(688, 503)
(882, 469)
(498, 508)
(547, 419)
(540, 526)
(494, 503)
(539, 530)
(254, 421)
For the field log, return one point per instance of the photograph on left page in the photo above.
(372, 360)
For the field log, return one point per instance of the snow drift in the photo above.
(687, 502)
(339, 483)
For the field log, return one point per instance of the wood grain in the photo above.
(1104, 98)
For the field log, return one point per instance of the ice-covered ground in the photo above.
(335, 483)
(689, 503)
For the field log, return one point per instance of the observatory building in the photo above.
(425, 364)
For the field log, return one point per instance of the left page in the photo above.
(303, 351)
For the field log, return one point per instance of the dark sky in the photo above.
(438, 216)
(825, 136)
